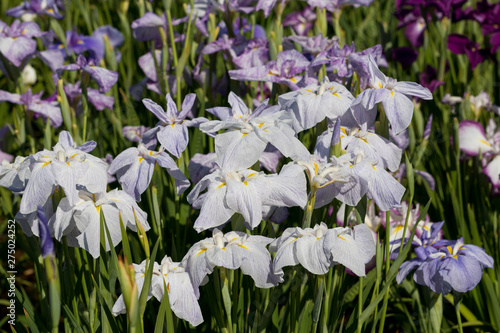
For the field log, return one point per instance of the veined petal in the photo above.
(492, 170)
(236, 150)
(174, 138)
(399, 111)
(242, 197)
(214, 212)
(311, 254)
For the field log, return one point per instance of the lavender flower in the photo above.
(172, 128)
(47, 108)
(105, 78)
(37, 7)
(16, 43)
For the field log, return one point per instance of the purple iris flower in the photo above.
(312, 45)
(448, 265)
(342, 62)
(301, 22)
(47, 108)
(285, 69)
(16, 43)
(147, 28)
(38, 7)
(46, 242)
(245, 53)
(98, 100)
(460, 44)
(406, 56)
(147, 64)
(429, 78)
(172, 128)
(105, 78)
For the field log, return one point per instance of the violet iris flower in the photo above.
(447, 265)
(46, 242)
(98, 100)
(460, 44)
(16, 43)
(301, 21)
(37, 7)
(406, 56)
(105, 78)
(429, 78)
(172, 127)
(47, 108)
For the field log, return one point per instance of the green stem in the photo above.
(306, 223)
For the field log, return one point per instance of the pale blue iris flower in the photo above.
(246, 192)
(248, 133)
(181, 295)
(319, 248)
(80, 222)
(232, 250)
(66, 166)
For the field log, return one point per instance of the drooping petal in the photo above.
(472, 138)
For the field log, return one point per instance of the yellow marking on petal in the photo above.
(252, 174)
(294, 80)
(246, 183)
(455, 256)
(243, 246)
(140, 160)
(201, 251)
(308, 90)
(392, 93)
(373, 166)
(270, 73)
(44, 164)
(335, 94)
(484, 142)
(294, 239)
(260, 125)
(79, 42)
(364, 140)
(98, 208)
(343, 130)
(172, 125)
(244, 134)
(50, 10)
(24, 31)
(168, 287)
(449, 249)
(150, 153)
(233, 239)
(74, 155)
(222, 184)
(68, 164)
(143, 275)
(14, 38)
(224, 248)
(350, 166)
(340, 237)
(316, 168)
(61, 46)
(426, 228)
(380, 85)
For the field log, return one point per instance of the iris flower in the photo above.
(181, 295)
(66, 166)
(16, 43)
(134, 169)
(319, 248)
(310, 105)
(80, 222)
(232, 250)
(248, 133)
(172, 128)
(246, 192)
(394, 96)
